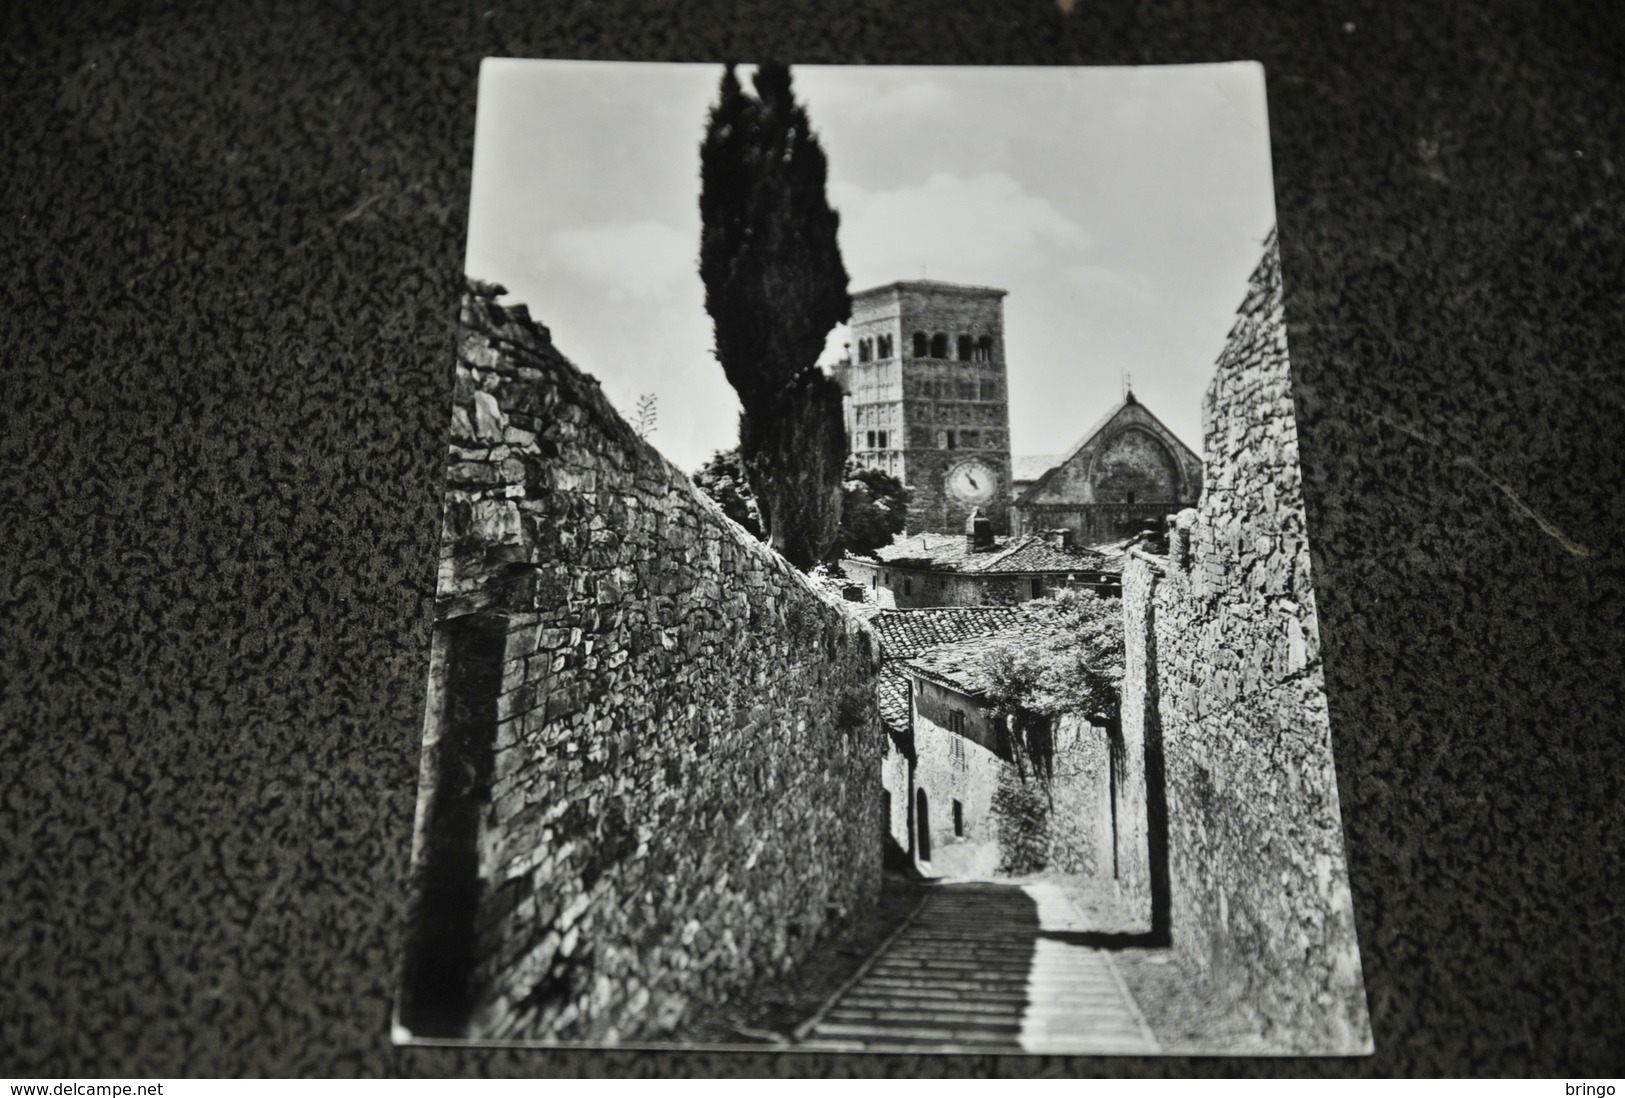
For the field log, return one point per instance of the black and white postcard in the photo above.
(875, 608)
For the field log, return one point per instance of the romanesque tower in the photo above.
(927, 398)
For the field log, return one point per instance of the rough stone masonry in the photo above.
(1224, 694)
(652, 756)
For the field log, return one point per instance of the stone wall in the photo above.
(1224, 683)
(1081, 820)
(917, 588)
(956, 770)
(652, 764)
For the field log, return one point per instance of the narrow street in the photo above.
(987, 967)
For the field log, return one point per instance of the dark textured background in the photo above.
(230, 244)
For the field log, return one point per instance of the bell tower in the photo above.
(928, 398)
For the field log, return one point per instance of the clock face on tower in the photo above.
(972, 482)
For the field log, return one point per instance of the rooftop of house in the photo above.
(891, 691)
(1031, 553)
(905, 633)
(964, 664)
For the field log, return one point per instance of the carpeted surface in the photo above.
(231, 246)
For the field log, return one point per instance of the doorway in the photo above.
(922, 818)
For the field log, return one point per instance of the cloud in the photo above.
(1125, 287)
(880, 96)
(985, 229)
(637, 259)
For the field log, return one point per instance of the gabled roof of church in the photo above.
(1095, 432)
(1032, 466)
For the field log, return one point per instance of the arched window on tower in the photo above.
(965, 348)
(921, 347)
(939, 345)
(863, 350)
(984, 349)
(883, 346)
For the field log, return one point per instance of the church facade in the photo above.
(927, 398)
(1127, 472)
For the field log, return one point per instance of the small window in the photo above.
(965, 348)
(984, 349)
(921, 348)
(950, 438)
(939, 345)
(908, 586)
(883, 347)
(871, 440)
(959, 820)
(881, 435)
(1131, 497)
(1038, 587)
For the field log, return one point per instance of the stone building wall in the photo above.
(960, 770)
(894, 778)
(917, 588)
(652, 765)
(1129, 471)
(1142, 858)
(925, 399)
(1082, 819)
(1224, 682)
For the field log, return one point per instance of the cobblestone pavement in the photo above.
(987, 967)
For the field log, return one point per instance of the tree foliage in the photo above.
(1068, 659)
(873, 503)
(1023, 815)
(722, 477)
(774, 287)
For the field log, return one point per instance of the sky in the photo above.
(1122, 208)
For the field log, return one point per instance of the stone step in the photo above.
(931, 1018)
(1023, 953)
(947, 982)
(1051, 1018)
(916, 1033)
(973, 973)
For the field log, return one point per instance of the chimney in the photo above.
(978, 533)
(1058, 539)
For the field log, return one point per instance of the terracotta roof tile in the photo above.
(904, 633)
(891, 690)
(1031, 553)
(962, 663)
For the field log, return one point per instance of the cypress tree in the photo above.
(774, 287)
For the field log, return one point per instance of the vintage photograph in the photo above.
(875, 608)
